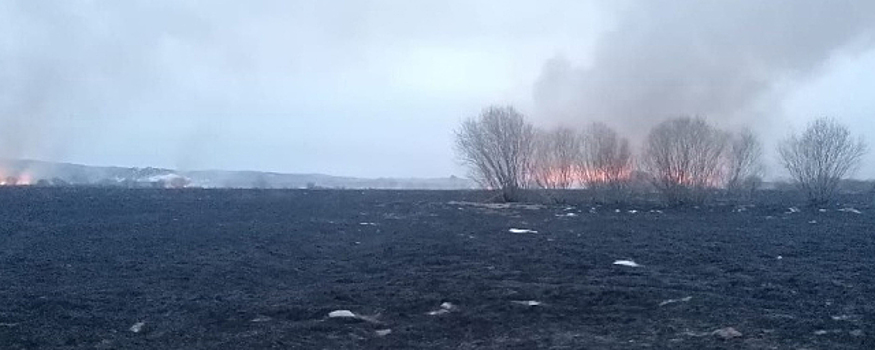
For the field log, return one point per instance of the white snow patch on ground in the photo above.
(843, 318)
(527, 302)
(138, 327)
(628, 263)
(570, 215)
(367, 224)
(261, 318)
(850, 210)
(792, 210)
(672, 301)
(446, 307)
(521, 230)
(342, 314)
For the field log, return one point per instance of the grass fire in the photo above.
(451, 174)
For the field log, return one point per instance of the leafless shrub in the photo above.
(606, 160)
(744, 168)
(684, 157)
(497, 148)
(819, 158)
(555, 158)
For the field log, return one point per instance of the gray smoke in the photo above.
(726, 60)
(74, 61)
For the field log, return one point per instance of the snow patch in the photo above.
(138, 327)
(521, 230)
(850, 210)
(341, 314)
(628, 263)
(673, 301)
(445, 307)
(261, 318)
(527, 302)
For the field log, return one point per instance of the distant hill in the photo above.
(36, 172)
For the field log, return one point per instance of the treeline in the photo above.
(685, 159)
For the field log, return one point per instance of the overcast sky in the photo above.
(375, 88)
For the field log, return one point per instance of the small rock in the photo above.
(138, 327)
(383, 332)
(342, 314)
(727, 333)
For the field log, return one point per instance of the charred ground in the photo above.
(208, 269)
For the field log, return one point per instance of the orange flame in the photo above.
(580, 177)
(20, 179)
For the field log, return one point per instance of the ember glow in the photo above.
(19, 179)
(583, 178)
(604, 176)
(685, 179)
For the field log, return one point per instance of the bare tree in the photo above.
(744, 165)
(684, 157)
(606, 159)
(819, 158)
(555, 159)
(497, 148)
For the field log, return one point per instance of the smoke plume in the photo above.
(726, 60)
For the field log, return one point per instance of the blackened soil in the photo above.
(226, 269)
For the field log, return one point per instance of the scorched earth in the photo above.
(261, 269)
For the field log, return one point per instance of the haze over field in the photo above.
(376, 88)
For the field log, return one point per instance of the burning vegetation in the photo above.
(685, 159)
(682, 158)
(18, 179)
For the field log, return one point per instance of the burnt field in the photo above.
(233, 269)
